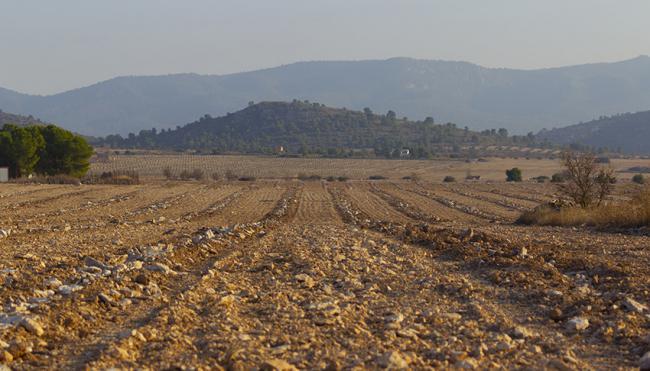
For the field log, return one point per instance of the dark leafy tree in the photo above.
(513, 175)
(19, 149)
(63, 153)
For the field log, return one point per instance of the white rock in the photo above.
(577, 324)
(4, 233)
(53, 283)
(69, 289)
(92, 262)
(394, 320)
(393, 361)
(32, 326)
(159, 267)
(521, 332)
(467, 364)
(305, 279)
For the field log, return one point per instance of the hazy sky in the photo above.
(48, 46)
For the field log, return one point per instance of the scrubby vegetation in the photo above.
(559, 177)
(44, 150)
(586, 186)
(449, 179)
(514, 175)
(638, 179)
(632, 214)
(305, 177)
(124, 177)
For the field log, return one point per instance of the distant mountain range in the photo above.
(459, 92)
(312, 128)
(628, 132)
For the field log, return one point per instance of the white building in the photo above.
(4, 174)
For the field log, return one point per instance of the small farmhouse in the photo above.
(4, 174)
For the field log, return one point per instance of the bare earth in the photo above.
(312, 275)
(490, 169)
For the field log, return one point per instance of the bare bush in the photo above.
(168, 173)
(216, 177)
(586, 181)
(185, 175)
(117, 177)
(231, 176)
(198, 174)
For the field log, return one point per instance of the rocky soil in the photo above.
(311, 275)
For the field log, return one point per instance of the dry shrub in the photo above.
(587, 183)
(53, 179)
(631, 214)
(118, 177)
(185, 175)
(198, 174)
(305, 177)
(230, 175)
(168, 173)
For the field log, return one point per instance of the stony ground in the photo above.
(312, 275)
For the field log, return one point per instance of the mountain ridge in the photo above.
(461, 92)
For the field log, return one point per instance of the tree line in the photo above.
(45, 150)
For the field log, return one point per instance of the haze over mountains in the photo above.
(459, 92)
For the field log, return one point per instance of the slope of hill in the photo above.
(628, 132)
(302, 127)
(9, 118)
(460, 92)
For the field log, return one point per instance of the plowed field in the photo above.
(312, 275)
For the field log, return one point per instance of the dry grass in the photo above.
(628, 214)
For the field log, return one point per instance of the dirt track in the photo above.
(314, 275)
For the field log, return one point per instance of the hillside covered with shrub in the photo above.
(311, 128)
(628, 132)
